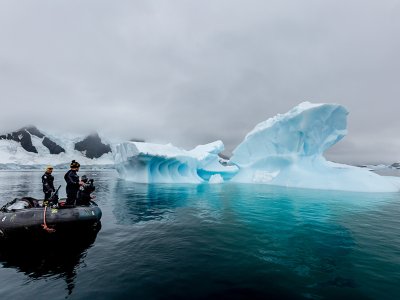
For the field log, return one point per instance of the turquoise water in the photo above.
(232, 241)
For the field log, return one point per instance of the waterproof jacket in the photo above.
(72, 180)
(84, 193)
(48, 183)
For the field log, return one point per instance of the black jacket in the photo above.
(72, 180)
(85, 192)
(48, 183)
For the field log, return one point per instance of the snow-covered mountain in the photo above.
(395, 165)
(31, 147)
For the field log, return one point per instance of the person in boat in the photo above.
(73, 183)
(85, 191)
(48, 184)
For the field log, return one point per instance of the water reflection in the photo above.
(145, 202)
(55, 256)
(270, 231)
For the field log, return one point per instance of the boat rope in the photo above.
(44, 225)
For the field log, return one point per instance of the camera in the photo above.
(88, 186)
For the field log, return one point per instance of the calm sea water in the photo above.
(228, 241)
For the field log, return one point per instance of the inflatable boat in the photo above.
(27, 216)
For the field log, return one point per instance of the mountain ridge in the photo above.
(31, 146)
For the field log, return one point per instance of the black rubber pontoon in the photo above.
(19, 219)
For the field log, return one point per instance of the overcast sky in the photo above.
(191, 72)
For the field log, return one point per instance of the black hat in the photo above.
(84, 178)
(74, 164)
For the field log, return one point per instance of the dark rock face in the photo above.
(92, 146)
(34, 131)
(396, 165)
(53, 147)
(23, 136)
(137, 140)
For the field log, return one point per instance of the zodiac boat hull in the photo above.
(31, 220)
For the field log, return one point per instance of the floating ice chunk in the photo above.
(155, 163)
(288, 149)
(285, 150)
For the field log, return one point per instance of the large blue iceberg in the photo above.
(286, 150)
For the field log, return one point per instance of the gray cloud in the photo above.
(190, 72)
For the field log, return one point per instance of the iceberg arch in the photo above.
(287, 150)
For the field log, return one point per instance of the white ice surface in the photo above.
(287, 150)
(156, 163)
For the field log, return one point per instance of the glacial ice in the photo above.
(155, 163)
(286, 150)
